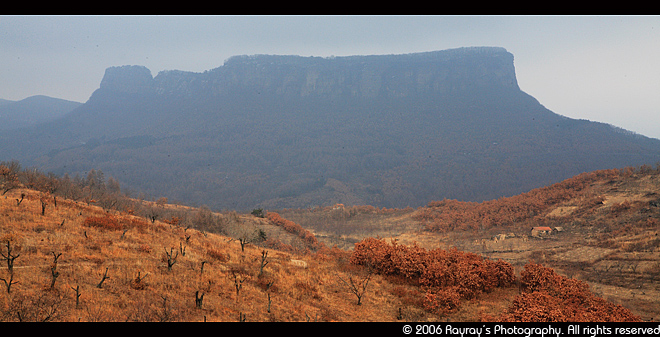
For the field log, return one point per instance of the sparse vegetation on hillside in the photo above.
(519, 211)
(605, 227)
(604, 231)
(95, 254)
(113, 266)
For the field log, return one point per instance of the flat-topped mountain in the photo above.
(289, 131)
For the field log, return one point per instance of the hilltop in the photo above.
(285, 131)
(32, 111)
(80, 250)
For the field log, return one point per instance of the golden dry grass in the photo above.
(313, 292)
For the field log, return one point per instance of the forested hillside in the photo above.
(269, 131)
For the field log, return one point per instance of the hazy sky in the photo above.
(600, 68)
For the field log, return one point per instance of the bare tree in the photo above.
(43, 308)
(53, 269)
(44, 202)
(137, 283)
(270, 284)
(244, 239)
(19, 201)
(10, 282)
(171, 258)
(77, 290)
(238, 283)
(357, 287)
(153, 213)
(201, 270)
(316, 317)
(9, 257)
(182, 249)
(166, 314)
(264, 255)
(198, 299)
(205, 220)
(105, 277)
(9, 176)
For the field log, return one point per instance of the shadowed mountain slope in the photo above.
(289, 131)
(33, 110)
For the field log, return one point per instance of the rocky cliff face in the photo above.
(127, 79)
(372, 76)
(408, 75)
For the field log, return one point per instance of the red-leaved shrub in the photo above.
(107, 222)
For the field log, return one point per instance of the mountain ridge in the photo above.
(309, 75)
(33, 110)
(290, 131)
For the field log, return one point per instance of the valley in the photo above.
(608, 236)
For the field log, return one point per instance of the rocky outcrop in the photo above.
(128, 79)
(369, 76)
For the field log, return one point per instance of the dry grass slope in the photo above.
(113, 266)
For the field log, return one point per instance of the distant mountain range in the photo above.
(288, 131)
(33, 110)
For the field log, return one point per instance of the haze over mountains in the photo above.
(289, 131)
(33, 110)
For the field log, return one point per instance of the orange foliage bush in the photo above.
(107, 222)
(442, 301)
(217, 255)
(308, 238)
(174, 220)
(137, 223)
(332, 254)
(450, 275)
(277, 244)
(550, 297)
